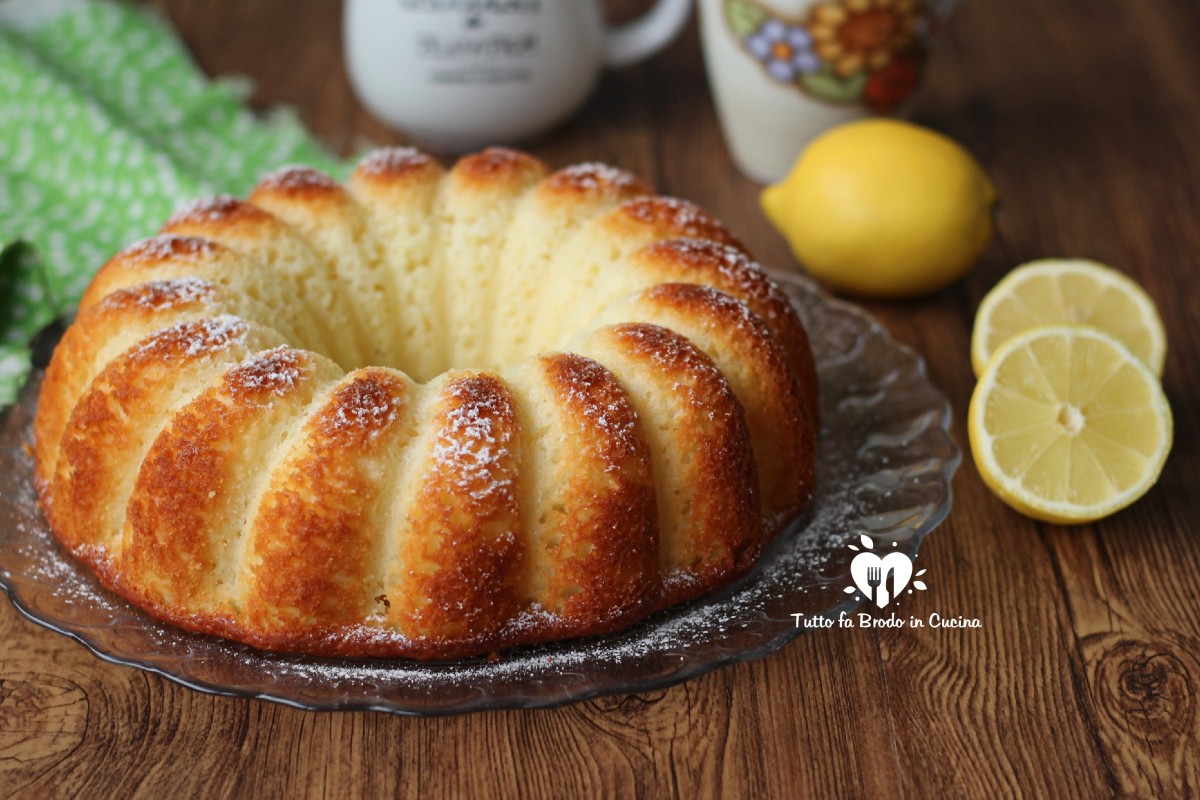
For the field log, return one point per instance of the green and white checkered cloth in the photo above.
(107, 126)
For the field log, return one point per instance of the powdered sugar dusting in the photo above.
(29, 555)
(368, 403)
(594, 177)
(168, 247)
(274, 371)
(158, 295)
(475, 439)
(209, 209)
(677, 579)
(495, 162)
(734, 272)
(723, 310)
(297, 177)
(588, 386)
(677, 218)
(669, 350)
(393, 159)
(195, 338)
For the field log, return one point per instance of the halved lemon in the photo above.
(1068, 425)
(1068, 292)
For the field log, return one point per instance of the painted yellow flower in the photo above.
(853, 35)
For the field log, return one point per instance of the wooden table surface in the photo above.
(1084, 680)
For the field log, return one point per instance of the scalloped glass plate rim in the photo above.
(686, 671)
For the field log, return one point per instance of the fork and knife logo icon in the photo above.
(881, 579)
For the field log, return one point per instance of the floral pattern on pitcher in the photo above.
(844, 51)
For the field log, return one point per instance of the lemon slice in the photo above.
(1068, 292)
(1068, 425)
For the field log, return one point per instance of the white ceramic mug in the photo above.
(459, 74)
(784, 71)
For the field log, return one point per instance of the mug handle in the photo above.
(644, 37)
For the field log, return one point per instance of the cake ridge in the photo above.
(479, 196)
(569, 199)
(240, 570)
(398, 190)
(134, 388)
(316, 562)
(390, 160)
(335, 228)
(271, 245)
(182, 507)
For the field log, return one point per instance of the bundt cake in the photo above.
(427, 413)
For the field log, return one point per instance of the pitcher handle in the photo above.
(644, 37)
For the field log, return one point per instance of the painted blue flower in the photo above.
(785, 50)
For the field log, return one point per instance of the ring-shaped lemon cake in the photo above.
(427, 413)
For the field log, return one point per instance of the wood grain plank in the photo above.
(1079, 133)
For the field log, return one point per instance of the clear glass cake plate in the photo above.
(884, 468)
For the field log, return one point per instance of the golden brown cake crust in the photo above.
(777, 402)
(133, 313)
(214, 440)
(594, 179)
(678, 219)
(605, 561)
(148, 260)
(727, 535)
(171, 552)
(496, 165)
(105, 422)
(459, 575)
(314, 541)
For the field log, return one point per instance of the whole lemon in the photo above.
(884, 208)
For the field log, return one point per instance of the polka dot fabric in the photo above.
(107, 128)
